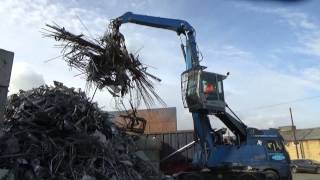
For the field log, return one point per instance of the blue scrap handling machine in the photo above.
(255, 154)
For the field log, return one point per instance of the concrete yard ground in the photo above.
(305, 176)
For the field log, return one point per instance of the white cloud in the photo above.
(138, 3)
(33, 14)
(306, 30)
(293, 18)
(24, 77)
(227, 52)
(311, 44)
(312, 73)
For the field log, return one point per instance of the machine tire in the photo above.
(190, 177)
(247, 177)
(271, 175)
(293, 170)
(318, 170)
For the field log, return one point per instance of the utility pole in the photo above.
(294, 133)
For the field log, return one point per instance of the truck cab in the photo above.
(263, 152)
(277, 160)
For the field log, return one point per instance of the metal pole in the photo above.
(294, 133)
(185, 147)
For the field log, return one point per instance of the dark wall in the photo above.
(6, 60)
(170, 142)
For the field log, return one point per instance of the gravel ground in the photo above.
(305, 176)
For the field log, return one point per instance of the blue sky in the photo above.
(272, 50)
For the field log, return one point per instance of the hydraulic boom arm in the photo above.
(179, 26)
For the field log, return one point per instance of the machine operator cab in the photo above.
(203, 91)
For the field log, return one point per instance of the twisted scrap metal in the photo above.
(106, 62)
(57, 133)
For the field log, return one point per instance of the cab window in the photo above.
(273, 146)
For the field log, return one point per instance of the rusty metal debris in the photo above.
(55, 132)
(106, 62)
(133, 123)
(130, 121)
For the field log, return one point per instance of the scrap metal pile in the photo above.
(57, 133)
